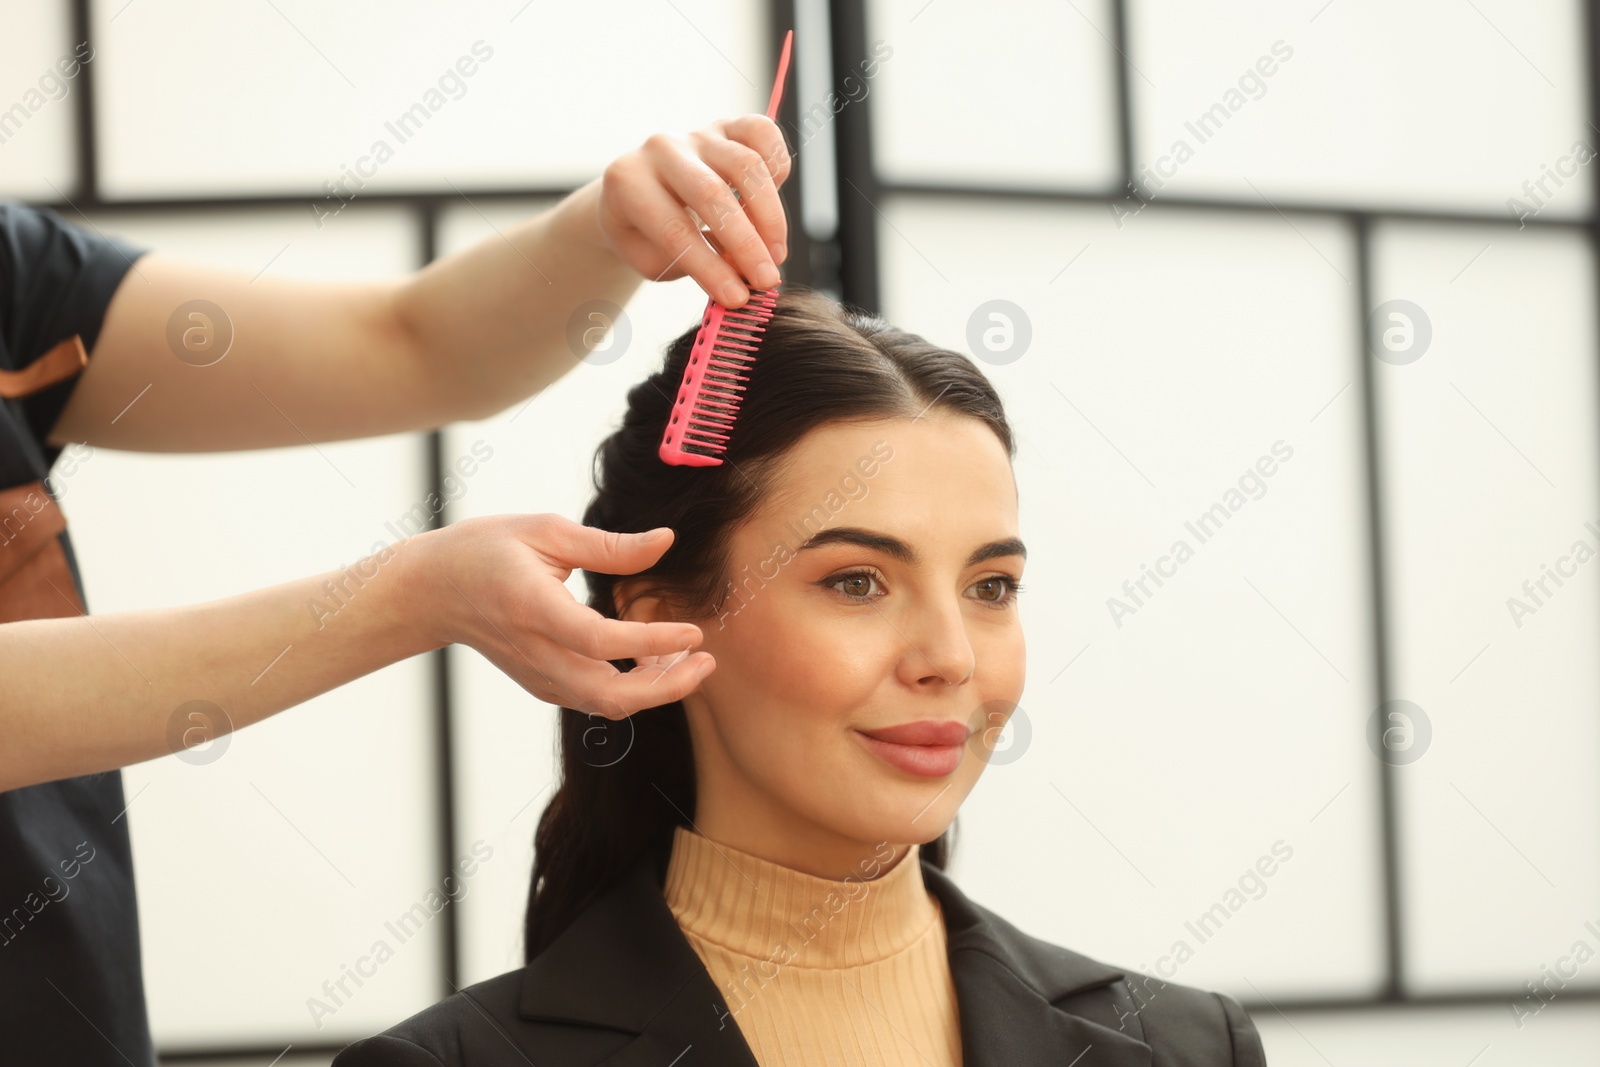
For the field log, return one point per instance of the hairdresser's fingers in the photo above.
(763, 135)
(564, 546)
(681, 239)
(588, 633)
(650, 685)
(570, 545)
(656, 234)
(570, 680)
(747, 172)
(564, 679)
(647, 227)
(544, 661)
(498, 584)
(707, 192)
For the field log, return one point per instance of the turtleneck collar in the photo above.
(754, 906)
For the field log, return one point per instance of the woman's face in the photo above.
(872, 589)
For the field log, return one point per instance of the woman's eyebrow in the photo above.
(893, 546)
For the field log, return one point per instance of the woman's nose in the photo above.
(940, 652)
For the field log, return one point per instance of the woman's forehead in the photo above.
(933, 481)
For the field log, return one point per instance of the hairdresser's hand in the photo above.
(496, 584)
(647, 196)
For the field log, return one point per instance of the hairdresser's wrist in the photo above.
(578, 218)
(458, 583)
(421, 610)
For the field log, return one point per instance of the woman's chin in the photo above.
(907, 816)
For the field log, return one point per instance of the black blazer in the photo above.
(622, 987)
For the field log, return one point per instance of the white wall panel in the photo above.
(1429, 104)
(39, 73)
(1173, 747)
(1022, 97)
(1149, 362)
(1492, 478)
(1562, 1035)
(230, 98)
(265, 873)
(543, 450)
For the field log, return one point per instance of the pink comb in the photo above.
(708, 398)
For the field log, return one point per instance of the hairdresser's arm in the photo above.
(466, 337)
(89, 694)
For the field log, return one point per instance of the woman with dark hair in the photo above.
(755, 874)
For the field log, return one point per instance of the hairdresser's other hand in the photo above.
(496, 583)
(647, 197)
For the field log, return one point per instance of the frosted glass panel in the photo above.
(316, 828)
(1563, 1035)
(542, 451)
(371, 96)
(1311, 100)
(362, 242)
(1189, 471)
(1492, 483)
(1194, 782)
(39, 73)
(1024, 96)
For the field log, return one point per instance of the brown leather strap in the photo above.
(58, 364)
(35, 579)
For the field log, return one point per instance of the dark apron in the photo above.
(36, 581)
(71, 988)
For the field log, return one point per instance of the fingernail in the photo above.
(769, 276)
(733, 294)
(780, 252)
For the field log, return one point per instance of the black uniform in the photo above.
(71, 991)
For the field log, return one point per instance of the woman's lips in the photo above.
(928, 749)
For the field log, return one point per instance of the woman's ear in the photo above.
(621, 593)
(643, 609)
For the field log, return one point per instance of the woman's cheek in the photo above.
(803, 637)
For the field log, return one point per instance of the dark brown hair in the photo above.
(627, 783)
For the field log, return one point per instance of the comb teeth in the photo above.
(704, 413)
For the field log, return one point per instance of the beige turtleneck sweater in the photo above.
(817, 971)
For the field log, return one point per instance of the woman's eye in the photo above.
(857, 585)
(1008, 586)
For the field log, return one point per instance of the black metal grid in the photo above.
(848, 265)
(426, 208)
(858, 227)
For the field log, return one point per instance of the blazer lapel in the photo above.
(1008, 986)
(625, 965)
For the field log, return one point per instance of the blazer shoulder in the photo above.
(446, 1034)
(386, 1051)
(1185, 1025)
